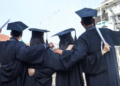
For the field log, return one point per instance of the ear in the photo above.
(93, 20)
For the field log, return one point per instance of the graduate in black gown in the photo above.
(73, 77)
(11, 74)
(88, 43)
(38, 38)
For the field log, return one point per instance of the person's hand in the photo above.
(31, 72)
(51, 45)
(58, 51)
(106, 49)
(69, 47)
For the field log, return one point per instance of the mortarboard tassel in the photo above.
(22, 32)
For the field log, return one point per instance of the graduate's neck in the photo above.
(18, 38)
(87, 26)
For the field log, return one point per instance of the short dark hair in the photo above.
(16, 33)
(87, 20)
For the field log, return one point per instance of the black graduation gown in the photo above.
(42, 76)
(89, 43)
(14, 50)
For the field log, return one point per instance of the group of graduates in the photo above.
(34, 65)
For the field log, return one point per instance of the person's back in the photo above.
(42, 75)
(8, 55)
(72, 77)
(111, 76)
(92, 40)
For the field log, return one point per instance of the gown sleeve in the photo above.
(115, 35)
(94, 64)
(11, 71)
(43, 76)
(32, 55)
(71, 57)
(53, 61)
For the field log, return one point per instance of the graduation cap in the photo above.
(38, 33)
(86, 12)
(17, 26)
(67, 31)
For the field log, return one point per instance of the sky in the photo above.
(53, 15)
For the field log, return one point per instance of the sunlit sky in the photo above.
(32, 12)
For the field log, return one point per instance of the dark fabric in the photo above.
(43, 75)
(94, 64)
(12, 74)
(73, 77)
(11, 71)
(14, 50)
(90, 43)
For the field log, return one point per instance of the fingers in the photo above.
(31, 72)
(107, 47)
(55, 50)
(51, 45)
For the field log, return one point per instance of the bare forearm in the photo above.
(58, 51)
